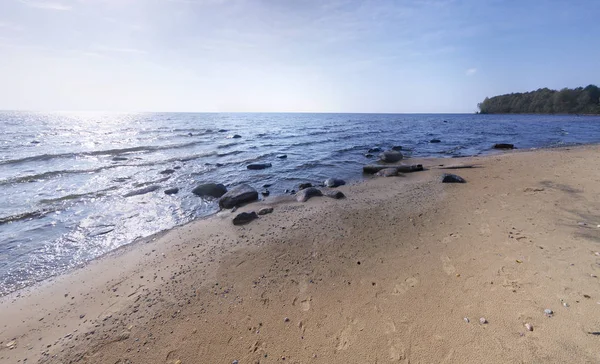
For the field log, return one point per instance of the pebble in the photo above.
(466, 320)
(287, 319)
(234, 362)
(565, 304)
(548, 312)
(529, 327)
(483, 321)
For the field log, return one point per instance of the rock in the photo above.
(236, 136)
(374, 168)
(452, 178)
(302, 186)
(265, 193)
(167, 171)
(287, 319)
(466, 319)
(237, 196)
(222, 130)
(483, 321)
(387, 172)
(214, 190)
(529, 327)
(171, 191)
(282, 156)
(142, 191)
(190, 134)
(267, 185)
(548, 312)
(117, 159)
(504, 146)
(334, 194)
(265, 210)
(334, 182)
(435, 141)
(256, 166)
(374, 150)
(397, 147)
(390, 156)
(305, 194)
(235, 362)
(218, 164)
(369, 155)
(244, 218)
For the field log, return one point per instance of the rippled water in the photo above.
(63, 176)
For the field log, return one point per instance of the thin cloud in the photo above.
(471, 71)
(47, 5)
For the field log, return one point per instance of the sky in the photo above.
(385, 56)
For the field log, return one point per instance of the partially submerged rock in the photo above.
(334, 182)
(282, 156)
(214, 190)
(504, 146)
(435, 141)
(390, 156)
(238, 195)
(167, 171)
(374, 150)
(452, 178)
(387, 172)
(302, 186)
(305, 194)
(256, 166)
(244, 218)
(397, 147)
(171, 191)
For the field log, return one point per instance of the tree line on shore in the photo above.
(580, 100)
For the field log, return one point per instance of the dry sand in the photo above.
(388, 274)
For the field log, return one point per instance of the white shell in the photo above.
(529, 327)
(482, 320)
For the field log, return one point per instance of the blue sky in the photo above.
(313, 55)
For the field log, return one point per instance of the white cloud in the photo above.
(471, 71)
(48, 5)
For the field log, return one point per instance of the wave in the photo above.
(76, 196)
(228, 145)
(108, 152)
(25, 215)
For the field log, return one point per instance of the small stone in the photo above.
(452, 178)
(235, 362)
(171, 191)
(529, 327)
(548, 312)
(287, 319)
(483, 321)
(265, 210)
(265, 193)
(466, 319)
(282, 156)
(11, 344)
(565, 304)
(244, 218)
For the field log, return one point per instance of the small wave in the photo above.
(76, 196)
(228, 145)
(25, 215)
(234, 152)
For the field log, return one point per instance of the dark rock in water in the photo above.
(369, 155)
(236, 136)
(265, 210)
(265, 193)
(177, 167)
(237, 196)
(167, 171)
(218, 164)
(452, 178)
(397, 147)
(244, 218)
(307, 193)
(374, 150)
(390, 156)
(445, 121)
(171, 191)
(334, 182)
(435, 141)
(267, 185)
(302, 186)
(504, 146)
(256, 166)
(116, 159)
(214, 190)
(286, 191)
(282, 156)
(142, 191)
(334, 194)
(222, 130)
(190, 134)
(374, 168)
(387, 172)
(208, 131)
(293, 192)
(35, 142)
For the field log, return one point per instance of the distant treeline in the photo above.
(545, 101)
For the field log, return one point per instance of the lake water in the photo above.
(63, 176)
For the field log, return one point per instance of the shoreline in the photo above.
(109, 288)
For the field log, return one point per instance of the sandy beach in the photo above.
(401, 270)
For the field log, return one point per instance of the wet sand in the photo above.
(392, 273)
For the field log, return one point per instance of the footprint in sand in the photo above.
(402, 288)
(447, 266)
(346, 337)
(397, 351)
